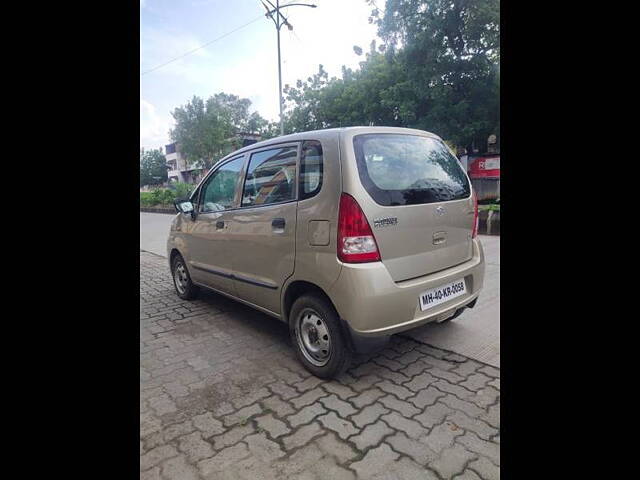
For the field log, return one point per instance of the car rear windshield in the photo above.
(400, 169)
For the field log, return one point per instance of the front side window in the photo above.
(400, 169)
(219, 191)
(310, 169)
(271, 177)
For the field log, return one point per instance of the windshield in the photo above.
(398, 169)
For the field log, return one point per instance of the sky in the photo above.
(245, 62)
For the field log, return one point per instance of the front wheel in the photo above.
(317, 337)
(185, 288)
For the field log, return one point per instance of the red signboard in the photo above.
(485, 167)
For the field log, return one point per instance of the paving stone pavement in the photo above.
(222, 396)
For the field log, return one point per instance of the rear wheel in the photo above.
(317, 337)
(185, 288)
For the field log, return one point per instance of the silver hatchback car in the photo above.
(347, 235)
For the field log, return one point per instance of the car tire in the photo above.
(316, 335)
(185, 288)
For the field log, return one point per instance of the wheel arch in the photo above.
(296, 289)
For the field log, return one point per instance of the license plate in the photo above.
(441, 294)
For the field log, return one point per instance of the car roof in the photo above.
(324, 134)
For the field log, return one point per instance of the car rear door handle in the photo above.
(220, 224)
(278, 223)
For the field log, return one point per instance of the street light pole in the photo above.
(280, 76)
(279, 21)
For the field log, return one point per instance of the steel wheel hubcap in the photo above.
(313, 337)
(181, 279)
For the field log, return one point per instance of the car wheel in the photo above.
(317, 337)
(185, 288)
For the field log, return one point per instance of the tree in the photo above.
(438, 70)
(153, 167)
(451, 49)
(206, 131)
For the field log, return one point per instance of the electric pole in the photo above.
(279, 21)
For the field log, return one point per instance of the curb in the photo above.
(171, 211)
(489, 222)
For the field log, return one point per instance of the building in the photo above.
(179, 170)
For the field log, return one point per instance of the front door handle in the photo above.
(220, 224)
(278, 223)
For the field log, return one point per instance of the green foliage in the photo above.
(206, 130)
(181, 190)
(438, 70)
(153, 169)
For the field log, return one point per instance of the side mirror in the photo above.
(184, 206)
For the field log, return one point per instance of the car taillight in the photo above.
(474, 234)
(356, 243)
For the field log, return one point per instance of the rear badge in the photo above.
(440, 211)
(385, 222)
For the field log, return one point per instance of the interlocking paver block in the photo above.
(302, 436)
(371, 435)
(279, 407)
(468, 475)
(308, 384)
(485, 469)
(327, 468)
(265, 449)
(342, 391)
(421, 382)
(492, 416)
(426, 397)
(307, 414)
(367, 397)
(479, 427)
(253, 397)
(369, 414)
(457, 390)
(412, 428)
(375, 461)
(308, 398)
(157, 455)
(232, 436)
(344, 428)
(474, 443)
(179, 468)
(337, 448)
(195, 447)
(404, 408)
(491, 371)
(224, 459)
(273, 426)
(414, 449)
(457, 404)
(486, 397)
(332, 402)
(242, 415)
(208, 425)
(452, 461)
(476, 381)
(398, 390)
(442, 436)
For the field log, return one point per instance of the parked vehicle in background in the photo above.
(348, 235)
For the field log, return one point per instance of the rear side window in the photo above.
(271, 177)
(310, 169)
(399, 169)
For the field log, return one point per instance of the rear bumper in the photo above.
(373, 305)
